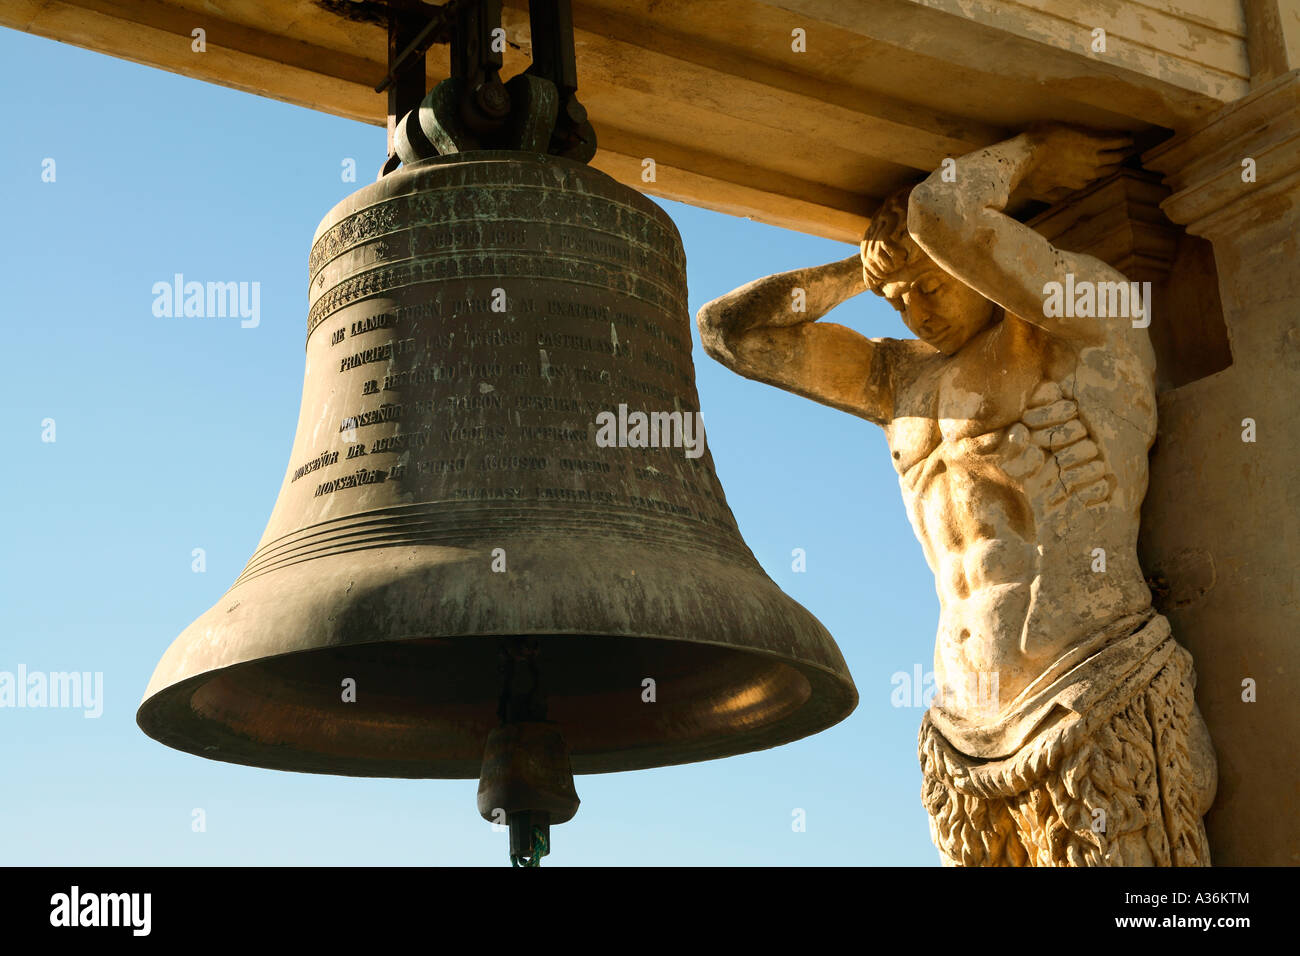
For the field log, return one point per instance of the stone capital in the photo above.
(1213, 193)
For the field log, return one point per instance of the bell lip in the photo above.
(833, 697)
(328, 604)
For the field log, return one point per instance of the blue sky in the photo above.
(173, 434)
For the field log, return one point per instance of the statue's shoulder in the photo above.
(914, 370)
(908, 356)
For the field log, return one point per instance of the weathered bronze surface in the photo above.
(470, 317)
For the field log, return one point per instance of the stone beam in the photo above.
(734, 116)
(1145, 69)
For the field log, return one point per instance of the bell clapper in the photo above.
(526, 772)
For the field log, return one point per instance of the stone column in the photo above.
(1219, 526)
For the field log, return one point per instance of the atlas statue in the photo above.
(1064, 730)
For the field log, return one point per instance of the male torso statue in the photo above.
(1064, 730)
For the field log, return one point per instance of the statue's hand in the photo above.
(1066, 159)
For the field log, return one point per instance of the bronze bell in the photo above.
(456, 512)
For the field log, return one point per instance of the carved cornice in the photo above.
(1204, 168)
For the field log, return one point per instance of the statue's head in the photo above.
(940, 309)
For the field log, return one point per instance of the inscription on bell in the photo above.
(476, 360)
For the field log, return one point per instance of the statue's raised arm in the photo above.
(768, 331)
(957, 217)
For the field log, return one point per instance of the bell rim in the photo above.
(832, 698)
